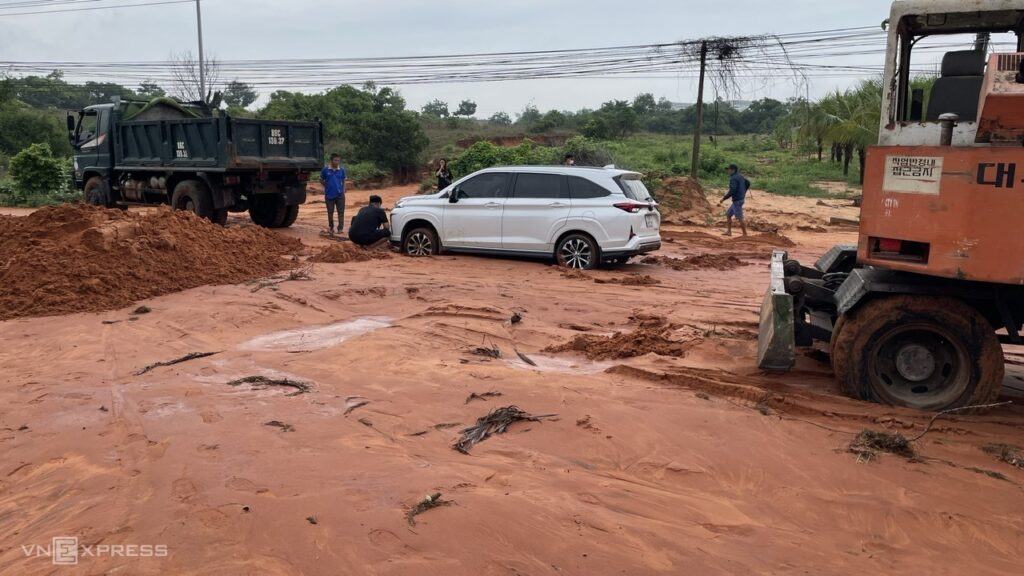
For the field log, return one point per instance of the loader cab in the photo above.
(936, 62)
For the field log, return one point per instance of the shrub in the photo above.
(586, 151)
(9, 194)
(36, 171)
(363, 173)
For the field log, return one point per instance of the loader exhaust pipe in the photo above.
(948, 122)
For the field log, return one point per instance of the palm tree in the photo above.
(851, 119)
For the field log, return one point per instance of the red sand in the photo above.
(81, 258)
(656, 464)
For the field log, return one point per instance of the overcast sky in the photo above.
(268, 29)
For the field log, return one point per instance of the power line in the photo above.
(63, 10)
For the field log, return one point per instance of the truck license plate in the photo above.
(651, 220)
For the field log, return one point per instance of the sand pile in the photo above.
(682, 200)
(348, 252)
(696, 262)
(651, 335)
(66, 259)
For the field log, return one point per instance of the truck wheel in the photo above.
(922, 352)
(421, 242)
(577, 251)
(96, 192)
(220, 217)
(191, 195)
(290, 214)
(267, 211)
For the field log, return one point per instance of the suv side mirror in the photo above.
(453, 196)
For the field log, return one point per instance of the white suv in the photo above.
(580, 216)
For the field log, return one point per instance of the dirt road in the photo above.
(654, 464)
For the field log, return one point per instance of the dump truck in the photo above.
(190, 157)
(916, 312)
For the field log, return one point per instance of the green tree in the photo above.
(149, 89)
(239, 94)
(853, 118)
(436, 109)
(529, 115)
(21, 126)
(761, 116)
(500, 119)
(644, 104)
(619, 118)
(466, 108)
(374, 123)
(35, 170)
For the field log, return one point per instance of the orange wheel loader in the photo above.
(914, 315)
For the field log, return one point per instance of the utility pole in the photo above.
(700, 110)
(202, 59)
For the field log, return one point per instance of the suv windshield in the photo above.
(634, 189)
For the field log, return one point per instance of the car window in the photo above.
(634, 189)
(489, 185)
(582, 188)
(539, 186)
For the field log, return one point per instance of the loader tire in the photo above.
(922, 352)
(192, 196)
(836, 328)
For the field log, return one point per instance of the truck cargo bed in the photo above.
(218, 144)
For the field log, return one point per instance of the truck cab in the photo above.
(89, 134)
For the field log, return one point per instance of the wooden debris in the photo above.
(525, 358)
(431, 501)
(299, 274)
(496, 421)
(492, 352)
(839, 221)
(278, 424)
(869, 443)
(353, 402)
(482, 396)
(185, 358)
(262, 382)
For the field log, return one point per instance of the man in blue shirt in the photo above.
(333, 179)
(738, 186)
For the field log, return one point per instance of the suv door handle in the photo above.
(557, 205)
(492, 205)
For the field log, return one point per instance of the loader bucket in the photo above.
(776, 349)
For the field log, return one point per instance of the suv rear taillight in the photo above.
(631, 207)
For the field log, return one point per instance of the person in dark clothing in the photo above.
(738, 186)
(444, 175)
(366, 228)
(569, 160)
(333, 179)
